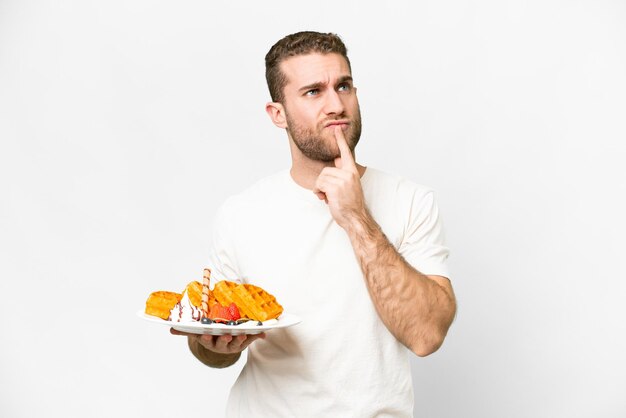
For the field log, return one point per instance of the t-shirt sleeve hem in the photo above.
(433, 269)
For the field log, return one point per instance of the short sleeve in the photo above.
(423, 244)
(222, 255)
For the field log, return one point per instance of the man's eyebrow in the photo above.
(345, 78)
(312, 86)
(319, 84)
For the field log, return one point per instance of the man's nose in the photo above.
(333, 104)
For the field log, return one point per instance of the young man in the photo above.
(358, 254)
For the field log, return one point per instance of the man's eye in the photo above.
(344, 87)
(312, 92)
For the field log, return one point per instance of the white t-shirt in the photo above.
(340, 360)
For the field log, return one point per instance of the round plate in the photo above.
(250, 327)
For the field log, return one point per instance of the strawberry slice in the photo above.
(223, 313)
(214, 311)
(234, 312)
(220, 312)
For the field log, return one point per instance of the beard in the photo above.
(311, 141)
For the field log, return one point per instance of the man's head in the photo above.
(301, 43)
(310, 80)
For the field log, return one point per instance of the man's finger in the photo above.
(251, 339)
(347, 161)
(321, 196)
(177, 332)
(222, 342)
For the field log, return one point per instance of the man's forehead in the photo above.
(314, 67)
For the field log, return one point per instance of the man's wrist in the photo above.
(362, 225)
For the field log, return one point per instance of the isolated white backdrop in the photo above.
(124, 124)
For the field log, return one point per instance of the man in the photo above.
(356, 253)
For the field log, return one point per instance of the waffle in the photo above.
(252, 301)
(161, 302)
(194, 293)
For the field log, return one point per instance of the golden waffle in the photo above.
(253, 302)
(161, 302)
(223, 292)
(194, 293)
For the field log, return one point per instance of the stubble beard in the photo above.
(313, 145)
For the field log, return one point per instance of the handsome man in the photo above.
(358, 254)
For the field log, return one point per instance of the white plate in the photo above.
(250, 327)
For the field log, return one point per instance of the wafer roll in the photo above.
(206, 280)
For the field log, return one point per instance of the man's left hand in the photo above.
(340, 186)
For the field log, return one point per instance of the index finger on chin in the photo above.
(347, 161)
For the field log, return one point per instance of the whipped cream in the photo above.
(185, 311)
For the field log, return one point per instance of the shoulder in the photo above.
(381, 183)
(398, 204)
(263, 190)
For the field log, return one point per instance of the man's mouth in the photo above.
(343, 123)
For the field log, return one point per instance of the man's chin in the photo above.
(322, 147)
(323, 158)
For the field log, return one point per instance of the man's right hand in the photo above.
(218, 350)
(221, 344)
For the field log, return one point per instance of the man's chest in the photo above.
(300, 254)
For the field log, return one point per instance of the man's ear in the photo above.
(276, 112)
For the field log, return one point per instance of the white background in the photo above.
(124, 124)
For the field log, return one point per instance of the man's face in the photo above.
(319, 95)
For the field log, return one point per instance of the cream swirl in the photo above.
(185, 311)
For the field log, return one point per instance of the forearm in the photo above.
(211, 358)
(415, 308)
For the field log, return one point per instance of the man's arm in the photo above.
(218, 351)
(416, 308)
